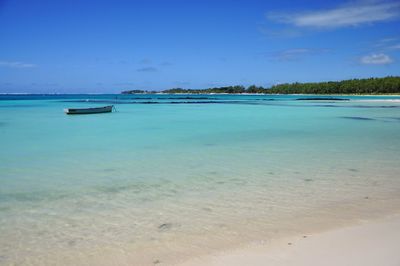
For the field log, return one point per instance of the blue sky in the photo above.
(108, 46)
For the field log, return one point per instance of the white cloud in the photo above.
(16, 64)
(278, 33)
(291, 54)
(385, 43)
(395, 47)
(297, 53)
(376, 59)
(353, 14)
(387, 40)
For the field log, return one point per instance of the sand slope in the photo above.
(367, 244)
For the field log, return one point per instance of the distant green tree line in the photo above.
(354, 86)
(386, 85)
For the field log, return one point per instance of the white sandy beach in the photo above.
(371, 243)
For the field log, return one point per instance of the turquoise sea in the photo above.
(167, 177)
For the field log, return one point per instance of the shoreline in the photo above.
(367, 243)
(161, 93)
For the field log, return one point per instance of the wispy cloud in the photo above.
(385, 43)
(279, 33)
(376, 59)
(296, 54)
(386, 40)
(16, 64)
(394, 47)
(351, 14)
(147, 69)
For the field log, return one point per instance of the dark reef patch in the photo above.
(140, 98)
(324, 105)
(393, 118)
(263, 99)
(187, 98)
(321, 99)
(212, 172)
(153, 102)
(358, 118)
(208, 209)
(166, 227)
(20, 105)
(71, 243)
(34, 196)
(210, 144)
(376, 106)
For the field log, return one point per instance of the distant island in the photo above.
(386, 85)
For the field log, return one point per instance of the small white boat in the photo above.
(93, 110)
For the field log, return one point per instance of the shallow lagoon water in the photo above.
(171, 176)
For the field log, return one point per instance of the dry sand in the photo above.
(374, 243)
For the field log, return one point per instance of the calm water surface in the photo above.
(171, 176)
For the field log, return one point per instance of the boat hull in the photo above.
(86, 111)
